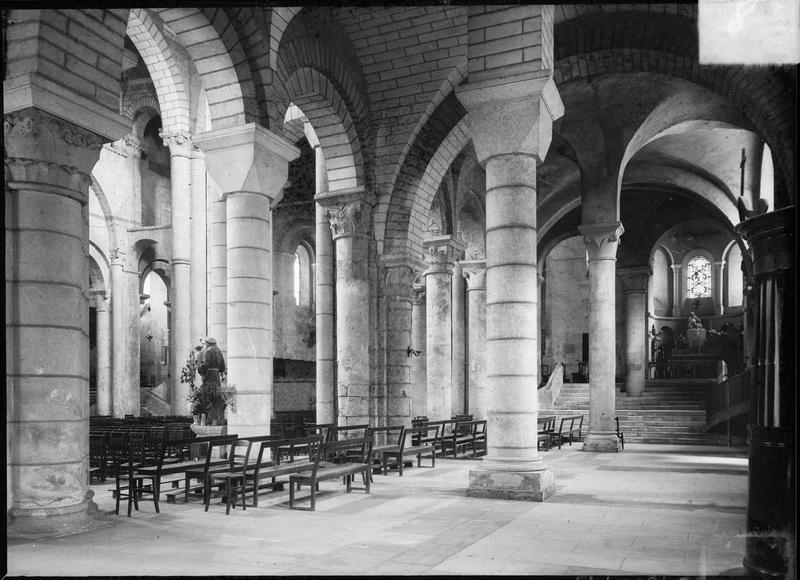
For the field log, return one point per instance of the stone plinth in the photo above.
(696, 337)
(514, 485)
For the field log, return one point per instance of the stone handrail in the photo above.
(551, 390)
(728, 399)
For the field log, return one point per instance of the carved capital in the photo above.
(474, 271)
(179, 143)
(601, 240)
(43, 149)
(348, 211)
(635, 279)
(441, 252)
(351, 218)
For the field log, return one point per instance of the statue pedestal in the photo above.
(696, 337)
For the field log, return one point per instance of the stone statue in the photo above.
(694, 321)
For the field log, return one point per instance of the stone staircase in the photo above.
(667, 412)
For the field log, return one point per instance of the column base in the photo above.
(515, 485)
(35, 524)
(602, 443)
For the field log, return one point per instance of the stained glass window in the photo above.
(698, 277)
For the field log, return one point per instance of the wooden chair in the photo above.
(130, 484)
(232, 480)
(98, 461)
(202, 474)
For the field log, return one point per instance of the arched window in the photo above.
(698, 277)
(303, 278)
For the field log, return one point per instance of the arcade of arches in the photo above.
(388, 212)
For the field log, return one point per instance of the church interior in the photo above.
(396, 216)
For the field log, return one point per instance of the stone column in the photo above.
(198, 287)
(130, 147)
(419, 366)
(399, 305)
(218, 271)
(441, 251)
(511, 125)
(719, 284)
(475, 273)
(250, 166)
(540, 284)
(459, 341)
(125, 337)
(103, 357)
(350, 217)
(180, 338)
(601, 241)
(324, 287)
(770, 544)
(635, 281)
(677, 297)
(48, 162)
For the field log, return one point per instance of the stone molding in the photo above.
(128, 146)
(474, 271)
(601, 240)
(33, 91)
(395, 260)
(34, 122)
(635, 279)
(53, 178)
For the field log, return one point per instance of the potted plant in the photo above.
(207, 400)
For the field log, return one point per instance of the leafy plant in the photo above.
(211, 397)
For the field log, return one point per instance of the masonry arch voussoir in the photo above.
(212, 61)
(314, 94)
(146, 33)
(421, 175)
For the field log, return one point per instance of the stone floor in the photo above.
(652, 509)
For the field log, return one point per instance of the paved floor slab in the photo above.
(652, 509)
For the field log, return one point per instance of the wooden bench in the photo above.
(173, 459)
(570, 429)
(385, 439)
(423, 442)
(446, 427)
(545, 427)
(326, 466)
(278, 458)
(208, 465)
(465, 435)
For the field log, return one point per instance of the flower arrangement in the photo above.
(212, 397)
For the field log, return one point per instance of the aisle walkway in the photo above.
(652, 509)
